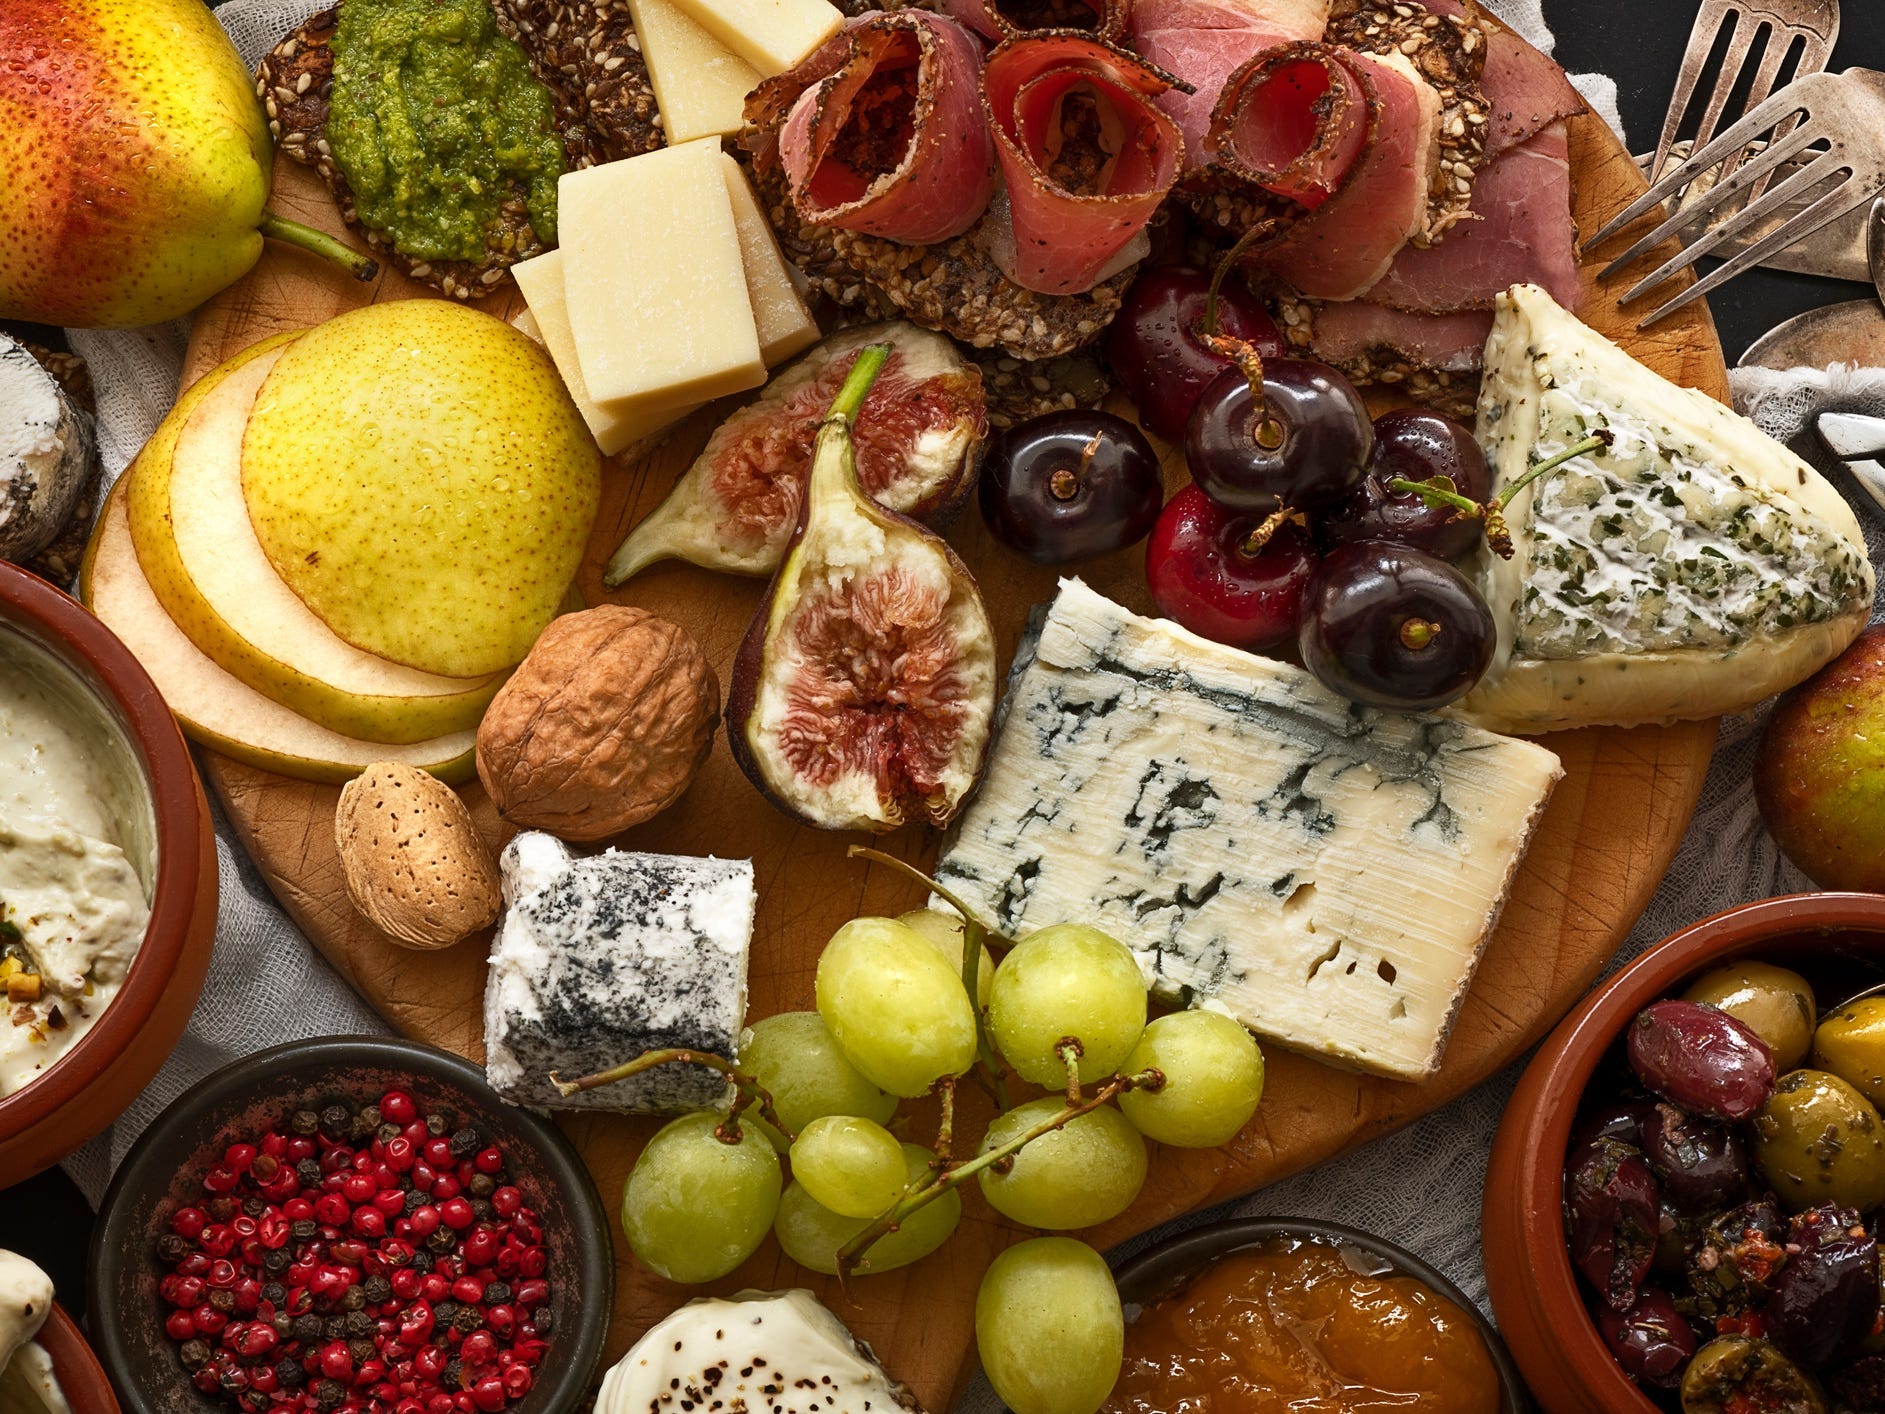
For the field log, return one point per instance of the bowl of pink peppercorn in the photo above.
(355, 1225)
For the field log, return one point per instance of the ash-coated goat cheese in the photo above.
(600, 958)
(47, 453)
(1324, 872)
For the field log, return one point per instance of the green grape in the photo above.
(795, 1057)
(694, 1208)
(1083, 1173)
(1067, 980)
(896, 1008)
(944, 931)
(1049, 1327)
(811, 1233)
(852, 1166)
(1213, 1080)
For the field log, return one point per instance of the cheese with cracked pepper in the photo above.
(1326, 873)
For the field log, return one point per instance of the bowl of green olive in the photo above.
(1684, 1206)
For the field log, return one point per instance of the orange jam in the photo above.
(1293, 1328)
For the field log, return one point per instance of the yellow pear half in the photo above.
(199, 552)
(418, 475)
(216, 709)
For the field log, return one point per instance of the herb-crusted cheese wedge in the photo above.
(1693, 567)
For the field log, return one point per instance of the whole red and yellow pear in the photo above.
(134, 161)
(1820, 772)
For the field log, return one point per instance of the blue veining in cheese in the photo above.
(601, 958)
(1325, 872)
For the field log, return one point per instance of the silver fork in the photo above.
(1834, 124)
(1813, 22)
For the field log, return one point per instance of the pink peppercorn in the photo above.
(396, 1106)
(456, 1213)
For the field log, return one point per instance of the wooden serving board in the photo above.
(1604, 845)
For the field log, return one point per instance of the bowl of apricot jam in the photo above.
(1266, 1316)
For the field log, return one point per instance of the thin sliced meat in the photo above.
(1353, 330)
(1204, 41)
(1527, 90)
(1350, 241)
(1293, 121)
(883, 131)
(1086, 155)
(1522, 234)
(1013, 19)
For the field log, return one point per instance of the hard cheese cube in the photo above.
(771, 35)
(599, 959)
(655, 280)
(1326, 873)
(700, 84)
(784, 324)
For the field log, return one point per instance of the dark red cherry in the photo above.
(1068, 486)
(1204, 576)
(1304, 444)
(1395, 627)
(1154, 348)
(1415, 444)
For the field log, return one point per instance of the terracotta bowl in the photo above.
(165, 1167)
(1168, 1265)
(171, 846)
(1528, 1270)
(81, 1377)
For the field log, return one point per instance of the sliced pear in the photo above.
(418, 475)
(202, 558)
(216, 709)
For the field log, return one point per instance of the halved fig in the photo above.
(864, 690)
(918, 443)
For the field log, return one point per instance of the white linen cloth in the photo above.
(1419, 1187)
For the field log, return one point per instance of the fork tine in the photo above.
(1746, 28)
(1804, 180)
(1699, 208)
(1708, 21)
(1796, 97)
(1779, 41)
(1831, 207)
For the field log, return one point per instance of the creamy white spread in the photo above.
(72, 904)
(27, 1382)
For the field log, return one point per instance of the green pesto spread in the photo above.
(436, 120)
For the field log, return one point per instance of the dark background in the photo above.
(1639, 43)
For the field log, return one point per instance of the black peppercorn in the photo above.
(333, 1328)
(193, 1353)
(328, 1393)
(497, 1293)
(454, 1374)
(254, 1207)
(305, 1123)
(220, 1208)
(416, 1200)
(172, 1248)
(274, 1293)
(421, 1261)
(361, 1348)
(377, 1289)
(387, 1132)
(307, 1328)
(436, 1124)
(308, 1172)
(482, 1185)
(372, 1116)
(304, 1230)
(289, 1372)
(224, 1301)
(467, 1318)
(445, 1310)
(277, 1260)
(465, 1143)
(359, 1325)
(354, 1300)
(482, 1210)
(336, 1120)
(543, 1319)
(442, 1240)
(282, 1323)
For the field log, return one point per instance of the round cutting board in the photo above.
(1608, 836)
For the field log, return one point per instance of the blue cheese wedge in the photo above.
(601, 958)
(761, 1352)
(1325, 873)
(1692, 568)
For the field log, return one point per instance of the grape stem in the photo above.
(748, 1093)
(1440, 491)
(946, 1125)
(851, 1256)
(1070, 1050)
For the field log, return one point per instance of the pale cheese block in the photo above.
(699, 83)
(613, 425)
(1693, 568)
(783, 322)
(771, 35)
(658, 306)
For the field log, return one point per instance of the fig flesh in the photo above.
(864, 691)
(917, 443)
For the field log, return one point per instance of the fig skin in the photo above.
(1819, 775)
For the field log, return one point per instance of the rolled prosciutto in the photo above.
(1086, 155)
(882, 129)
(1012, 19)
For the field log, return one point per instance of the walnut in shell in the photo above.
(413, 861)
(602, 727)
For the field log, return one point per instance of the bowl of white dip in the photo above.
(45, 1365)
(107, 877)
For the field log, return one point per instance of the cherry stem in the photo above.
(748, 1092)
(1597, 440)
(1441, 491)
(857, 383)
(1249, 362)
(1418, 633)
(1249, 238)
(1265, 531)
(361, 267)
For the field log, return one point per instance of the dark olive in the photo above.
(1701, 1058)
(1826, 1297)
(1620, 1119)
(1612, 1219)
(1651, 1340)
(1701, 1163)
(1738, 1375)
(1860, 1385)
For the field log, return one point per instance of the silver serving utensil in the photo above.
(1834, 124)
(1859, 442)
(1813, 23)
(1875, 246)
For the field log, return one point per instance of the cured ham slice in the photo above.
(1527, 90)
(1296, 122)
(1521, 233)
(1355, 330)
(1011, 19)
(1350, 240)
(882, 131)
(1086, 155)
(1204, 41)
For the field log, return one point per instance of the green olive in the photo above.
(1737, 1373)
(1818, 1140)
(1851, 1044)
(1775, 1004)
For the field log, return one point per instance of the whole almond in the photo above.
(414, 863)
